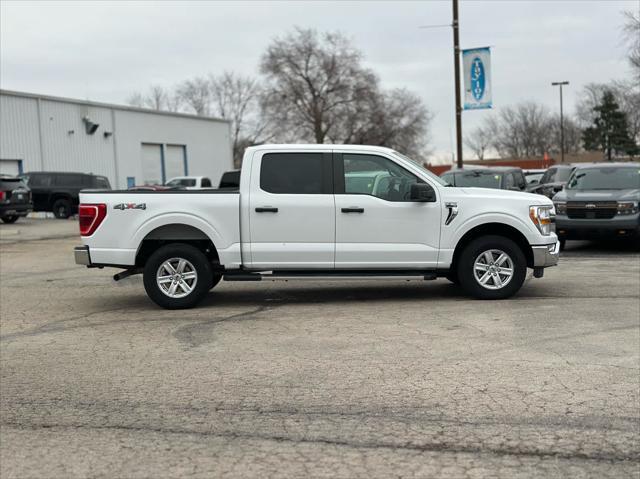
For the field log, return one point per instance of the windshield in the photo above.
(605, 178)
(431, 175)
(480, 179)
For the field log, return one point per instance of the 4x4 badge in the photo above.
(130, 206)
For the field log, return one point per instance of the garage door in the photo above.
(175, 161)
(151, 159)
(10, 167)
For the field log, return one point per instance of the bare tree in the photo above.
(478, 141)
(312, 79)
(631, 32)
(239, 99)
(155, 98)
(196, 94)
(572, 135)
(522, 130)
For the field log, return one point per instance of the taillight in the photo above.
(90, 217)
(3, 195)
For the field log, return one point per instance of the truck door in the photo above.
(291, 211)
(377, 226)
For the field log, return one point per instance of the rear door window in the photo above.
(295, 173)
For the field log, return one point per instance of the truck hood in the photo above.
(598, 195)
(502, 195)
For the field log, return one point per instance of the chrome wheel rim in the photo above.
(493, 269)
(176, 277)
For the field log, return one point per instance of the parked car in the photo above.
(230, 180)
(498, 177)
(533, 176)
(15, 199)
(553, 180)
(58, 191)
(190, 182)
(300, 213)
(599, 201)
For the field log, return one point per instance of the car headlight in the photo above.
(542, 217)
(561, 207)
(627, 207)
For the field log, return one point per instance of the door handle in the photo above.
(353, 210)
(266, 209)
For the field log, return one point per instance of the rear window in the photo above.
(292, 173)
(10, 183)
(182, 182)
(480, 179)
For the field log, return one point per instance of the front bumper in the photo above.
(81, 254)
(546, 255)
(619, 226)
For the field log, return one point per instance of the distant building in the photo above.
(127, 145)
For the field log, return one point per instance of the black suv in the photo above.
(497, 177)
(15, 199)
(58, 192)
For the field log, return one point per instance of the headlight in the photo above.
(561, 207)
(627, 207)
(542, 217)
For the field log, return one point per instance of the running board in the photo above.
(330, 274)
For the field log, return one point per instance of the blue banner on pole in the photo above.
(476, 67)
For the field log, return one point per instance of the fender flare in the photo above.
(177, 219)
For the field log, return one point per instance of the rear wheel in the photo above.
(492, 267)
(177, 276)
(9, 219)
(61, 208)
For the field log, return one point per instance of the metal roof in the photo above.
(112, 106)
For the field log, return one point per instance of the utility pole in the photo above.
(560, 84)
(456, 69)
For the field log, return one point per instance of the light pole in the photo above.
(456, 72)
(560, 84)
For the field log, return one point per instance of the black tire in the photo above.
(466, 268)
(452, 276)
(215, 279)
(61, 208)
(198, 261)
(10, 219)
(563, 243)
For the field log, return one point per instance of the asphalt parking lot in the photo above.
(316, 379)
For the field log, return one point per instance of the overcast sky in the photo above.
(104, 51)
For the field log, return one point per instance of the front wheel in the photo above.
(9, 219)
(177, 276)
(492, 267)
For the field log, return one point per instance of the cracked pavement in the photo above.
(316, 379)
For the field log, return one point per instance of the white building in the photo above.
(127, 145)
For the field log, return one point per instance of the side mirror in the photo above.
(422, 192)
(557, 188)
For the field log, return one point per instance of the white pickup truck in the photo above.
(319, 211)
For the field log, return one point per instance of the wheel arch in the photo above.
(496, 229)
(175, 233)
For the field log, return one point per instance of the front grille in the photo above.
(592, 209)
